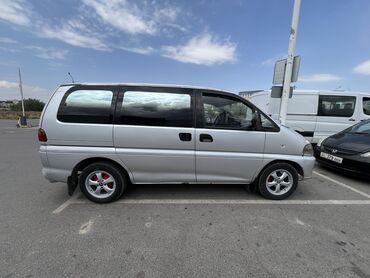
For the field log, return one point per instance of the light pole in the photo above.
(289, 64)
(21, 90)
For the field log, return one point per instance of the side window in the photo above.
(266, 123)
(86, 106)
(156, 109)
(366, 105)
(336, 106)
(226, 112)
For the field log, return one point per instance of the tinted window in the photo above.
(336, 106)
(226, 112)
(156, 109)
(366, 105)
(86, 106)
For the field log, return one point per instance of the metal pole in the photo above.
(289, 64)
(21, 90)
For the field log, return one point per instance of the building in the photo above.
(6, 104)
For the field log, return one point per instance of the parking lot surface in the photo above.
(323, 230)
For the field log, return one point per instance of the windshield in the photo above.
(361, 128)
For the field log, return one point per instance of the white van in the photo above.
(104, 136)
(316, 114)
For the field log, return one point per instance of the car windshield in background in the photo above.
(362, 128)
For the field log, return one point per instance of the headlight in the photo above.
(308, 150)
(320, 142)
(365, 155)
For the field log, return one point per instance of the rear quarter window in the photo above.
(86, 106)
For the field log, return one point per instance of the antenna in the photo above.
(73, 81)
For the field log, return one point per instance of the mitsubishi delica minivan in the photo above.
(104, 136)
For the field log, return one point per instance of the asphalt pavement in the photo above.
(323, 230)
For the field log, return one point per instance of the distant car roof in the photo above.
(148, 85)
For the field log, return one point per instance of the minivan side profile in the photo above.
(317, 114)
(104, 136)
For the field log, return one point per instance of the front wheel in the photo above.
(102, 182)
(278, 181)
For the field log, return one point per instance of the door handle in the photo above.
(185, 136)
(352, 120)
(205, 138)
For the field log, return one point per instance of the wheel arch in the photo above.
(84, 163)
(296, 166)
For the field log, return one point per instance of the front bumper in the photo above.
(354, 164)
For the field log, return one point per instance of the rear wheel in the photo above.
(278, 181)
(102, 182)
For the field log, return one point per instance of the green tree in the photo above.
(30, 104)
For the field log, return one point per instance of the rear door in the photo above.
(335, 113)
(154, 134)
(227, 147)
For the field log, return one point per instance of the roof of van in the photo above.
(336, 92)
(148, 85)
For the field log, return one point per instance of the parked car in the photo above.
(347, 150)
(103, 136)
(316, 114)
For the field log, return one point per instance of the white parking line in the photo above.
(72, 200)
(230, 202)
(342, 184)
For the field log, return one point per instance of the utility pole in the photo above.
(289, 64)
(21, 90)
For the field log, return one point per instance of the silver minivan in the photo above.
(104, 136)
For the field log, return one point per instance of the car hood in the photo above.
(349, 141)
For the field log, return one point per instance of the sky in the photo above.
(226, 44)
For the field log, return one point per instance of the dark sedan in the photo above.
(347, 150)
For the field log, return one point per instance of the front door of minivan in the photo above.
(227, 147)
(154, 134)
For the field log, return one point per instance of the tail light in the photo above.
(42, 135)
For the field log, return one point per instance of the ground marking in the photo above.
(342, 184)
(72, 200)
(86, 227)
(75, 201)
(229, 202)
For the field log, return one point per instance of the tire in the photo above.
(278, 181)
(102, 182)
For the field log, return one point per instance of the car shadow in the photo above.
(188, 191)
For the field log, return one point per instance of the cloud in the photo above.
(49, 53)
(363, 68)
(10, 90)
(320, 77)
(75, 33)
(122, 15)
(270, 62)
(139, 50)
(202, 50)
(14, 11)
(7, 84)
(7, 40)
(126, 16)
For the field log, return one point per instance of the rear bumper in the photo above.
(56, 175)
